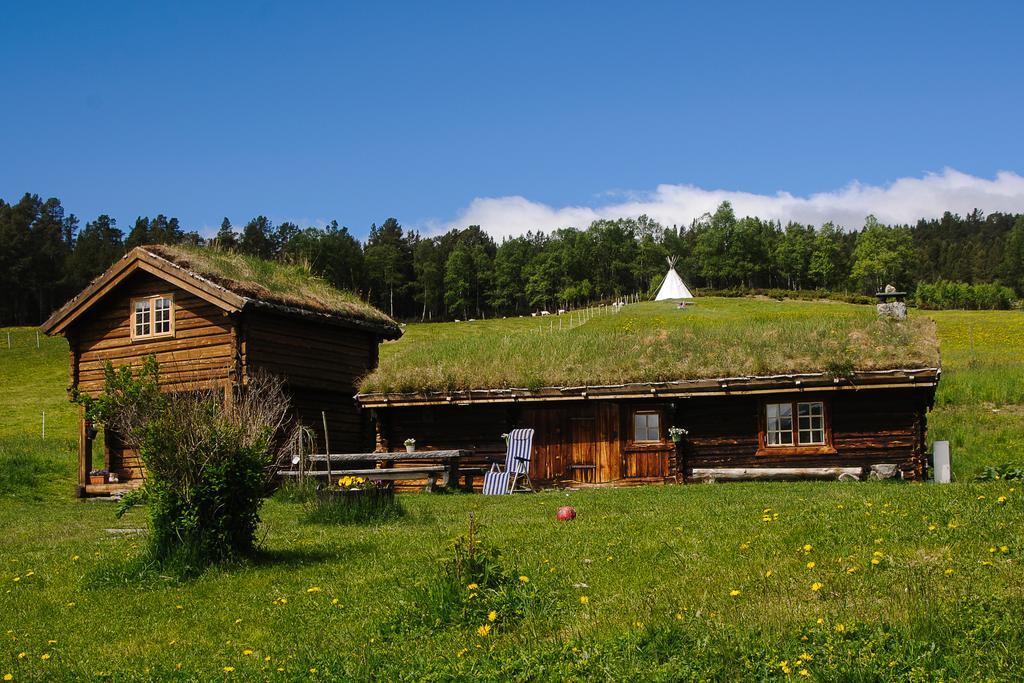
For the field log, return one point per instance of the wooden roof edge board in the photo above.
(894, 378)
(136, 259)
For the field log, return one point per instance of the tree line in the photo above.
(46, 257)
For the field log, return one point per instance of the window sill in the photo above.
(796, 450)
(153, 337)
(648, 446)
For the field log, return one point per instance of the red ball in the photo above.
(566, 513)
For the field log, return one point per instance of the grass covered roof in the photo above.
(291, 286)
(651, 343)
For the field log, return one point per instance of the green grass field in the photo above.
(656, 583)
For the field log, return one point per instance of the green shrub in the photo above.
(1007, 471)
(207, 463)
(960, 295)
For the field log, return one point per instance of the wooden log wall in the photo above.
(198, 356)
(321, 365)
(868, 427)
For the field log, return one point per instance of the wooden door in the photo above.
(583, 449)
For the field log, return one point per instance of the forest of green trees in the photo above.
(46, 256)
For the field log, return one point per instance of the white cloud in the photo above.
(903, 201)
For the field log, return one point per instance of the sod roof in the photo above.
(652, 343)
(236, 282)
(291, 286)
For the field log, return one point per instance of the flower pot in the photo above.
(97, 479)
(410, 449)
(676, 439)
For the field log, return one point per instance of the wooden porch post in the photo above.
(380, 432)
(84, 452)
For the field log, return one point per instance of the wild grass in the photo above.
(657, 566)
(290, 285)
(652, 342)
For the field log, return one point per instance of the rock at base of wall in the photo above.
(885, 471)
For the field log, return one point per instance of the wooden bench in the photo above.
(429, 472)
(446, 469)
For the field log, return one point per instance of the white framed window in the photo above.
(152, 316)
(810, 423)
(779, 424)
(800, 423)
(646, 426)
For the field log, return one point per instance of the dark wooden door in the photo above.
(583, 449)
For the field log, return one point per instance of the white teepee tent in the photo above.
(673, 287)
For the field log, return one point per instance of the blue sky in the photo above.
(516, 114)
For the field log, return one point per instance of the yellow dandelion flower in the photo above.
(820, 621)
(806, 657)
(524, 579)
(313, 589)
(810, 565)
(492, 615)
(948, 572)
(1004, 549)
(805, 673)
(1001, 499)
(22, 655)
(875, 560)
(247, 653)
(808, 547)
(74, 558)
(992, 549)
(878, 553)
(238, 621)
(932, 527)
(851, 570)
(679, 617)
(334, 601)
(584, 600)
(816, 586)
(45, 656)
(472, 587)
(8, 677)
(744, 546)
(483, 630)
(768, 573)
(840, 628)
(734, 592)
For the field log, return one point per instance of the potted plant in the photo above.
(98, 476)
(410, 445)
(677, 433)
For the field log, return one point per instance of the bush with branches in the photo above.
(207, 460)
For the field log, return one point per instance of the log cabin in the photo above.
(762, 390)
(212, 319)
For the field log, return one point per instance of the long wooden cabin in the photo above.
(803, 423)
(211, 320)
(796, 427)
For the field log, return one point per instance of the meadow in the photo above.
(818, 581)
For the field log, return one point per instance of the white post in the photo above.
(8, 341)
(37, 339)
(44, 425)
(942, 470)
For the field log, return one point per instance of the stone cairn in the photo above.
(891, 304)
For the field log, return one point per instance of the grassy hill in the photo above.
(913, 581)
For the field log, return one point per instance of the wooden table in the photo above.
(433, 465)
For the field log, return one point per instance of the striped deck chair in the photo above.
(514, 475)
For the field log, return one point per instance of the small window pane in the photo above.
(141, 318)
(779, 424)
(811, 423)
(162, 316)
(646, 427)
